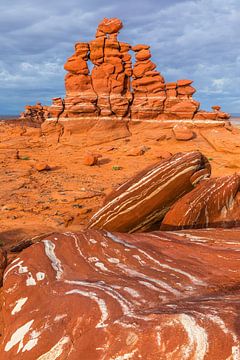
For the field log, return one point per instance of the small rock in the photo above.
(91, 159)
(68, 220)
(9, 207)
(16, 155)
(164, 155)
(137, 151)
(41, 166)
(183, 133)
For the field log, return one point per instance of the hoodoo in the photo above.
(117, 90)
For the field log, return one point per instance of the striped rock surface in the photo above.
(213, 203)
(100, 295)
(145, 199)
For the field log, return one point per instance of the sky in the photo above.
(189, 39)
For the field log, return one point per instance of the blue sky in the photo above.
(190, 39)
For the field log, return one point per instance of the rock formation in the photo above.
(99, 295)
(114, 89)
(35, 114)
(212, 203)
(145, 199)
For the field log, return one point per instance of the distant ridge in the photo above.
(9, 117)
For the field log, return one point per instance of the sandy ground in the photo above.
(33, 203)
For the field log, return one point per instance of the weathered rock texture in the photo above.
(115, 89)
(98, 295)
(214, 202)
(36, 114)
(145, 199)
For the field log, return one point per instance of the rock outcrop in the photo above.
(100, 295)
(213, 203)
(35, 114)
(145, 199)
(112, 88)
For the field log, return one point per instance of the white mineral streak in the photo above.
(148, 176)
(18, 305)
(194, 280)
(126, 306)
(209, 192)
(55, 262)
(113, 260)
(158, 338)
(40, 276)
(21, 269)
(18, 336)
(135, 273)
(11, 289)
(149, 285)
(126, 205)
(32, 342)
(198, 338)
(193, 238)
(30, 280)
(141, 262)
(134, 293)
(56, 350)
(120, 241)
(101, 303)
(60, 317)
(93, 259)
(101, 266)
(125, 356)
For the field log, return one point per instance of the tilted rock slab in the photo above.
(145, 199)
(98, 295)
(211, 203)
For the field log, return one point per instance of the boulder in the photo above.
(144, 200)
(91, 159)
(99, 295)
(110, 26)
(208, 205)
(42, 166)
(184, 82)
(183, 133)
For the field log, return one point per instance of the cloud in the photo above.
(196, 39)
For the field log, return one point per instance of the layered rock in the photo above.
(145, 199)
(114, 89)
(80, 95)
(179, 103)
(35, 114)
(95, 295)
(106, 92)
(212, 203)
(57, 107)
(148, 86)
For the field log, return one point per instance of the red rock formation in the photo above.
(35, 114)
(80, 96)
(116, 90)
(212, 203)
(183, 133)
(148, 86)
(98, 295)
(57, 107)
(145, 199)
